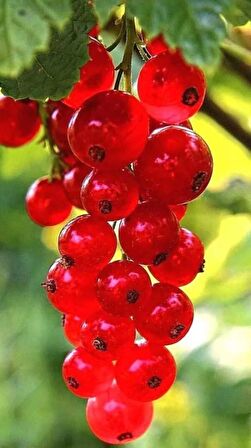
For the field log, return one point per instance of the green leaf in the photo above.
(104, 9)
(193, 25)
(26, 28)
(239, 13)
(53, 73)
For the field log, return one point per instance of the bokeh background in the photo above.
(210, 404)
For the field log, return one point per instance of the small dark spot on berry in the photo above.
(97, 153)
(175, 332)
(66, 261)
(125, 436)
(63, 320)
(202, 266)
(159, 258)
(72, 382)
(154, 382)
(105, 207)
(198, 181)
(132, 296)
(99, 344)
(50, 285)
(190, 96)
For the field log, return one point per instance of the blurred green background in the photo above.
(210, 404)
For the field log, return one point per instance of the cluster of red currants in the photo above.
(138, 162)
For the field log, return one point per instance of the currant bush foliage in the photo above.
(43, 43)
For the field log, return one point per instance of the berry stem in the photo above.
(57, 165)
(126, 64)
(119, 38)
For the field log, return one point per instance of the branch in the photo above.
(237, 65)
(227, 121)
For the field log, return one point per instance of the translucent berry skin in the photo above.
(145, 372)
(92, 79)
(123, 287)
(72, 325)
(175, 167)
(110, 131)
(149, 233)
(154, 124)
(70, 289)
(157, 45)
(117, 420)
(168, 317)
(72, 182)
(58, 124)
(171, 89)
(46, 202)
(88, 239)
(179, 210)
(184, 262)
(19, 121)
(110, 195)
(104, 335)
(85, 375)
(94, 31)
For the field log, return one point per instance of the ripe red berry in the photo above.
(167, 318)
(115, 419)
(19, 121)
(179, 210)
(72, 181)
(110, 195)
(85, 375)
(94, 31)
(175, 167)
(72, 325)
(46, 202)
(88, 239)
(70, 289)
(171, 89)
(149, 233)
(154, 124)
(123, 287)
(157, 45)
(145, 372)
(105, 335)
(183, 263)
(95, 76)
(58, 124)
(68, 158)
(110, 131)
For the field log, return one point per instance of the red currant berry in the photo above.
(72, 325)
(149, 233)
(115, 419)
(93, 79)
(175, 167)
(110, 131)
(110, 195)
(123, 287)
(168, 317)
(104, 335)
(73, 180)
(85, 375)
(70, 289)
(183, 263)
(154, 124)
(179, 210)
(46, 202)
(171, 89)
(88, 239)
(94, 31)
(157, 45)
(19, 121)
(145, 372)
(58, 125)
(51, 105)
(68, 158)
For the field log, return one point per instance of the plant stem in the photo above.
(126, 64)
(119, 38)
